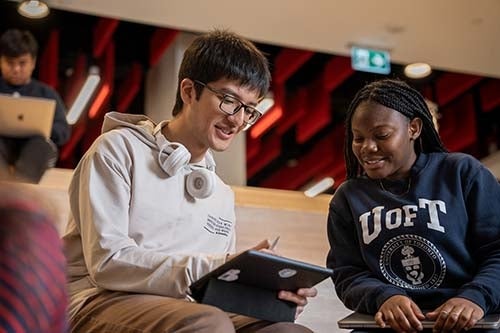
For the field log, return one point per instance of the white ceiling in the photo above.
(454, 35)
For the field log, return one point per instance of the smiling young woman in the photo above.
(405, 214)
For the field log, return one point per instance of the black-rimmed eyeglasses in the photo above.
(230, 105)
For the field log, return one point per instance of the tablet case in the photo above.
(249, 285)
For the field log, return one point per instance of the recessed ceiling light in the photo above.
(418, 70)
(33, 9)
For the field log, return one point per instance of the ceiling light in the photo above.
(33, 9)
(319, 187)
(418, 70)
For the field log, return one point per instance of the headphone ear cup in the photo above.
(200, 183)
(175, 161)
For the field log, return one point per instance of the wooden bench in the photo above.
(261, 213)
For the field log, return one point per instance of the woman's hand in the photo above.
(300, 298)
(401, 314)
(456, 314)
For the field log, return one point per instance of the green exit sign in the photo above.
(373, 61)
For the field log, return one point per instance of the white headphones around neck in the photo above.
(200, 183)
(173, 157)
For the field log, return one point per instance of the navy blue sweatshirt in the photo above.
(60, 128)
(440, 238)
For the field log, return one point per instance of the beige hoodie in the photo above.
(133, 226)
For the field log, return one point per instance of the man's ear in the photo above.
(415, 128)
(188, 93)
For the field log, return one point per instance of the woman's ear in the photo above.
(415, 128)
(187, 91)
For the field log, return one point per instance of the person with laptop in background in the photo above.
(149, 215)
(27, 158)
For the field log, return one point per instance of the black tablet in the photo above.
(265, 270)
(249, 283)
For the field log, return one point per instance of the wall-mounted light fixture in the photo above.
(33, 9)
(84, 95)
(319, 187)
(266, 103)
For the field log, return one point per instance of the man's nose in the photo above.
(15, 67)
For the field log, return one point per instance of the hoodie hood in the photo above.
(140, 123)
(172, 156)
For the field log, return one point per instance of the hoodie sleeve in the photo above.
(482, 196)
(100, 194)
(356, 286)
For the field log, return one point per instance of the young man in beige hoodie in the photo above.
(149, 214)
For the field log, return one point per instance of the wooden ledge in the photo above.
(57, 178)
(247, 196)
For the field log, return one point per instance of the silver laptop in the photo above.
(359, 320)
(26, 116)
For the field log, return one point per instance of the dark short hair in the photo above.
(399, 96)
(15, 43)
(223, 54)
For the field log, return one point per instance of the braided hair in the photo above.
(399, 96)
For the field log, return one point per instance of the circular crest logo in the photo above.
(412, 262)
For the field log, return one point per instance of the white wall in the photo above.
(161, 88)
(161, 80)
